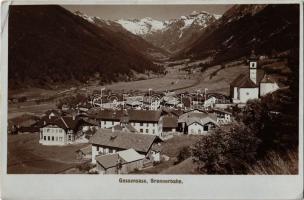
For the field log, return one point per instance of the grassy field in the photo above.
(15, 110)
(27, 156)
(172, 80)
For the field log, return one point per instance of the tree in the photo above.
(226, 152)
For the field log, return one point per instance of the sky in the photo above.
(160, 12)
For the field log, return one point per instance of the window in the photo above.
(112, 123)
(153, 131)
(48, 130)
(147, 124)
(53, 138)
(44, 138)
(199, 131)
(110, 151)
(141, 130)
(105, 122)
(147, 130)
(97, 148)
(49, 138)
(206, 128)
(247, 93)
(141, 124)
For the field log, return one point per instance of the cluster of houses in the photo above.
(125, 134)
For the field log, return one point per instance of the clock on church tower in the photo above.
(253, 67)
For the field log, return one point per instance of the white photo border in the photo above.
(108, 186)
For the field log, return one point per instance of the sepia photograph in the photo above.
(205, 89)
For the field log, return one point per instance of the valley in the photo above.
(156, 89)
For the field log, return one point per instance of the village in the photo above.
(115, 133)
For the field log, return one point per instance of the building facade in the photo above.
(58, 130)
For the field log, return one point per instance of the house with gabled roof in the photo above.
(122, 162)
(60, 130)
(106, 141)
(197, 122)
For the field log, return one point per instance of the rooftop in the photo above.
(124, 140)
(133, 115)
(244, 81)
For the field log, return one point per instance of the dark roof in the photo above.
(107, 114)
(56, 112)
(170, 121)
(123, 140)
(109, 160)
(222, 111)
(89, 122)
(133, 115)
(125, 127)
(244, 81)
(62, 122)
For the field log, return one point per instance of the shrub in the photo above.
(85, 167)
(183, 154)
(226, 152)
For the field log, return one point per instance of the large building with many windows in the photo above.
(144, 121)
(58, 130)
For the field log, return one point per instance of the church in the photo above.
(252, 85)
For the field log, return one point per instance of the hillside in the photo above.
(128, 37)
(265, 28)
(48, 44)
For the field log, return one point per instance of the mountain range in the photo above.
(169, 35)
(264, 28)
(49, 44)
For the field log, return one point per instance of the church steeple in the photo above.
(253, 67)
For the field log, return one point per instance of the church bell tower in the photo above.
(253, 67)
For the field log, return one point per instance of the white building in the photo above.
(197, 122)
(251, 85)
(200, 126)
(58, 130)
(268, 85)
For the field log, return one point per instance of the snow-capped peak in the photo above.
(142, 26)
